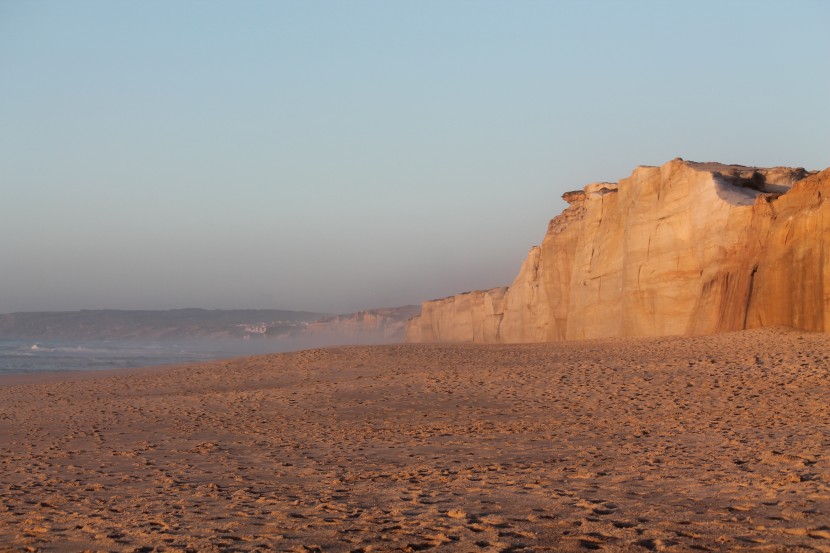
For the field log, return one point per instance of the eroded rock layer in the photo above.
(684, 248)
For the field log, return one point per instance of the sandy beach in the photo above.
(715, 443)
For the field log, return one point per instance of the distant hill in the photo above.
(173, 324)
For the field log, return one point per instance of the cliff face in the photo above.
(469, 317)
(685, 248)
(373, 326)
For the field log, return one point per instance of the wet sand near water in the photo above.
(718, 443)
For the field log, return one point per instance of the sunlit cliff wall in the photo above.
(685, 248)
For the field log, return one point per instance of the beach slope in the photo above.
(707, 443)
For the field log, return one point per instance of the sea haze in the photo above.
(26, 356)
(107, 339)
(19, 356)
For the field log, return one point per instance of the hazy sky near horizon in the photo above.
(334, 156)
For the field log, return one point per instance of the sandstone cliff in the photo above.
(685, 248)
(373, 326)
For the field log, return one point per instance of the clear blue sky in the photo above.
(334, 156)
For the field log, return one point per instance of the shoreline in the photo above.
(69, 375)
(46, 376)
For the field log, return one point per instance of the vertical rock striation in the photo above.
(684, 248)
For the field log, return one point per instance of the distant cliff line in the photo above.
(123, 324)
(371, 326)
(682, 249)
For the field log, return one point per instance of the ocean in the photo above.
(26, 356)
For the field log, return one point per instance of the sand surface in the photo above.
(678, 444)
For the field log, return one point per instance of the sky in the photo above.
(337, 156)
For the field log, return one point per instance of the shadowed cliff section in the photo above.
(684, 248)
